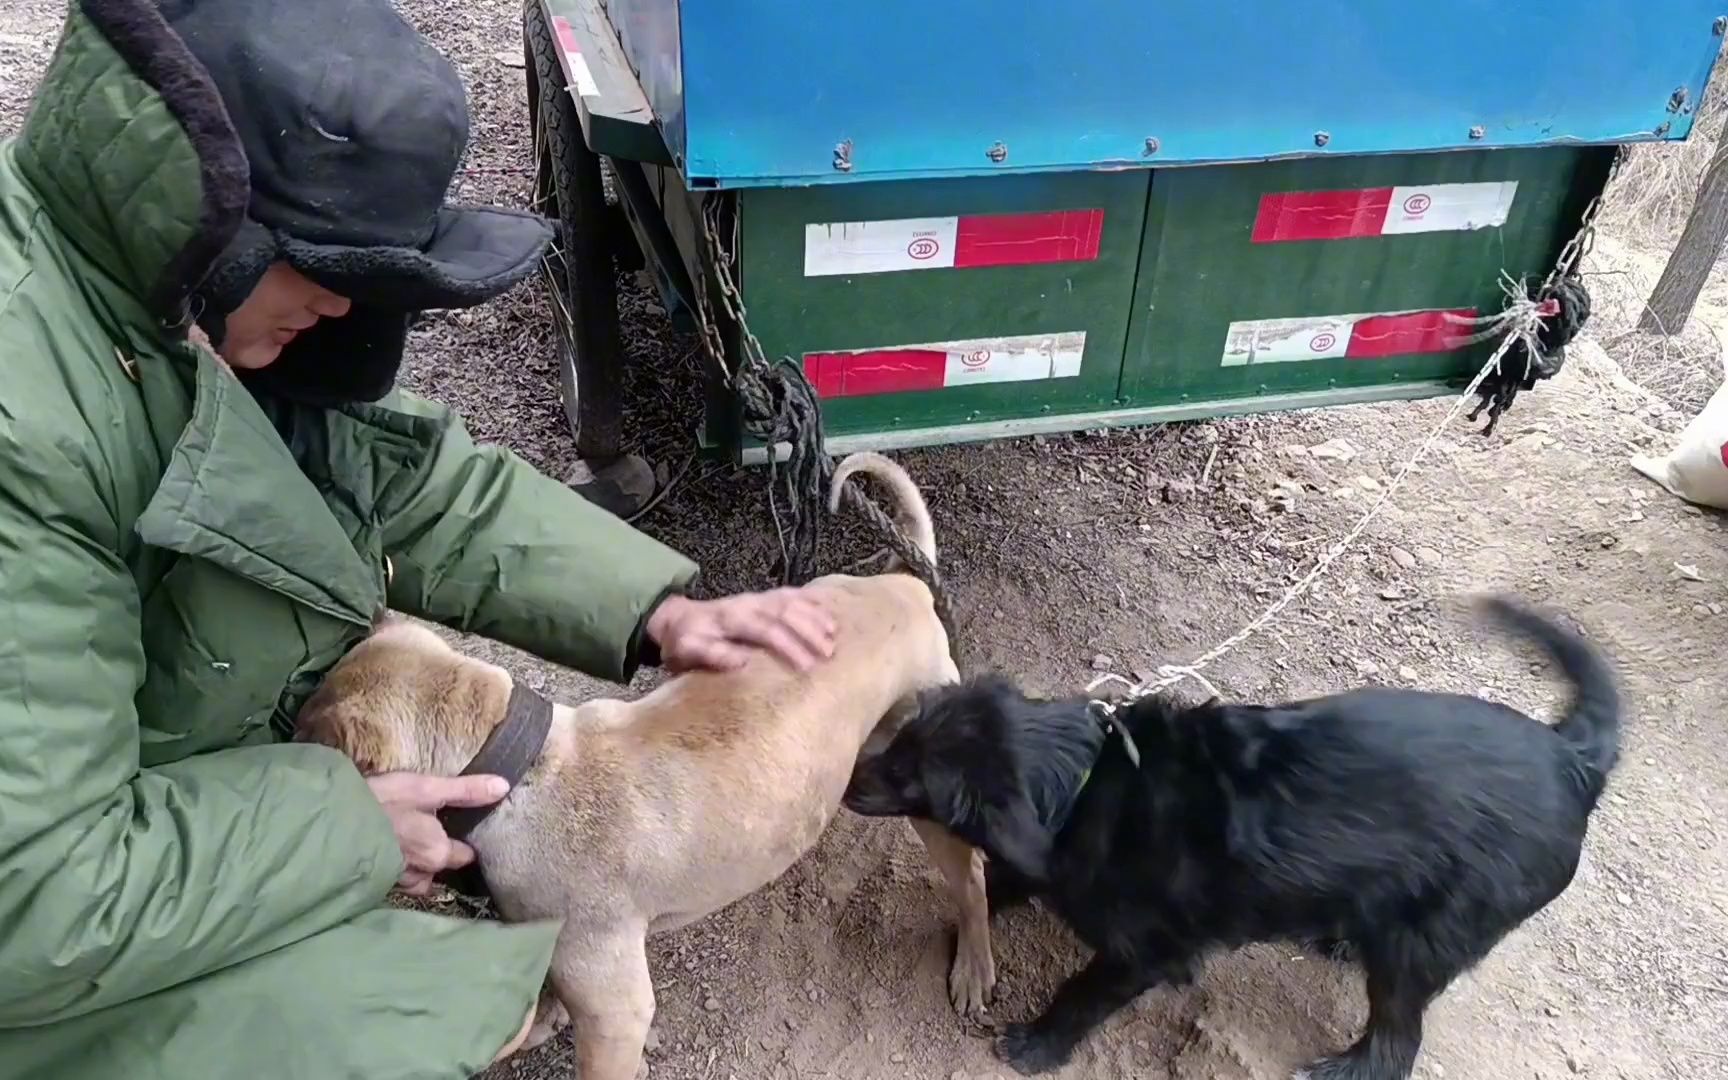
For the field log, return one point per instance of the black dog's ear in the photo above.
(1014, 834)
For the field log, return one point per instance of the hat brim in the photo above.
(475, 254)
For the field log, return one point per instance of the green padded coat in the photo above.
(182, 893)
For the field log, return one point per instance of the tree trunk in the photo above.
(1675, 295)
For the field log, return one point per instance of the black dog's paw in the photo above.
(1031, 1051)
(1345, 1067)
(1340, 951)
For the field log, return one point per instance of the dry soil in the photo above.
(1133, 549)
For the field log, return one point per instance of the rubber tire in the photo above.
(570, 188)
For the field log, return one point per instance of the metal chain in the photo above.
(1521, 318)
(750, 383)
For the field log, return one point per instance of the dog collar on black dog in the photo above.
(1104, 712)
(510, 751)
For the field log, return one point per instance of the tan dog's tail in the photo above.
(910, 511)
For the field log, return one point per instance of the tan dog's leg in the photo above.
(520, 1040)
(550, 1017)
(604, 983)
(972, 979)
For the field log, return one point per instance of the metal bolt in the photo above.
(1677, 100)
(1152, 146)
(1478, 132)
(843, 157)
(1321, 138)
(997, 153)
(1720, 26)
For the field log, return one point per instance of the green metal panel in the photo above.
(1202, 271)
(796, 315)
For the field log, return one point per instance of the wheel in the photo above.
(570, 188)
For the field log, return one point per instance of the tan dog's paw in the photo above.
(972, 981)
(549, 1019)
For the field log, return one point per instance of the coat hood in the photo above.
(131, 153)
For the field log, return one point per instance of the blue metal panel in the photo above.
(924, 88)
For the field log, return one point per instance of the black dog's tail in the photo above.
(1592, 724)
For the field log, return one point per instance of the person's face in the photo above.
(283, 304)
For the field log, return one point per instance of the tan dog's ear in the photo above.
(329, 720)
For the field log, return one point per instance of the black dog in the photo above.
(1413, 830)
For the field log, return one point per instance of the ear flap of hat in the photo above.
(233, 276)
(338, 361)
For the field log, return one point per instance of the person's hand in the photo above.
(719, 635)
(412, 802)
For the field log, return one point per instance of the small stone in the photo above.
(1572, 1064)
(1368, 483)
(791, 1024)
(1700, 609)
(765, 1043)
(711, 1005)
(1367, 668)
(1609, 540)
(1334, 450)
(1392, 592)
(1551, 1011)
(1430, 556)
(1103, 662)
(510, 59)
(897, 1059)
(1293, 451)
(1624, 899)
(652, 1042)
(1404, 559)
(654, 309)
(1407, 674)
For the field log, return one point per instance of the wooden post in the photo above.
(1675, 295)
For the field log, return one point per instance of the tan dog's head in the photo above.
(403, 699)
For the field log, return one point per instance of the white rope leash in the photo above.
(1519, 321)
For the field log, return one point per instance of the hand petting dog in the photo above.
(719, 635)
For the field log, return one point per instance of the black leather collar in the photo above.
(510, 751)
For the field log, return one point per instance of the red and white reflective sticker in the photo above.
(1355, 337)
(946, 365)
(581, 78)
(1387, 211)
(962, 242)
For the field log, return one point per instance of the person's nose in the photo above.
(328, 305)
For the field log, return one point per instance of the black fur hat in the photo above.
(353, 127)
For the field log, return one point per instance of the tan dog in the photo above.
(643, 816)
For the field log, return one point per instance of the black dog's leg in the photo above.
(1086, 1000)
(1005, 887)
(1398, 995)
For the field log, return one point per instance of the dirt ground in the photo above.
(1126, 549)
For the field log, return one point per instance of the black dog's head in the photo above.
(994, 767)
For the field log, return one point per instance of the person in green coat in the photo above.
(196, 525)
